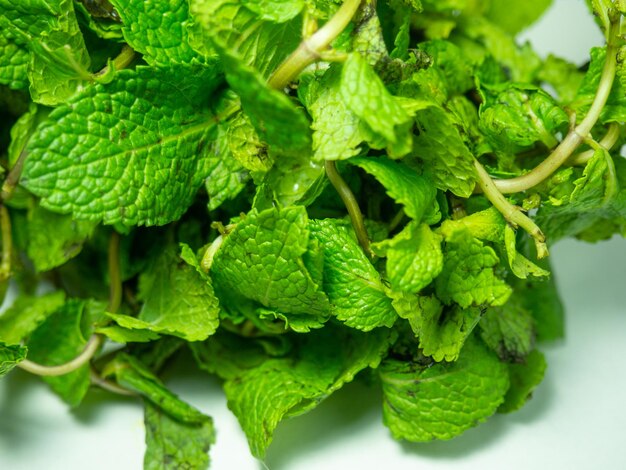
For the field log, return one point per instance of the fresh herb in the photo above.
(297, 194)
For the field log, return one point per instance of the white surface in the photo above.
(576, 419)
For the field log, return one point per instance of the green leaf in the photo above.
(442, 151)
(59, 339)
(615, 108)
(595, 196)
(174, 445)
(245, 145)
(524, 378)
(229, 355)
(265, 259)
(93, 155)
(509, 330)
(236, 27)
(158, 30)
(337, 131)
(443, 400)
(59, 60)
(367, 97)
(521, 266)
(468, 276)
(226, 175)
(26, 314)
(177, 297)
(354, 288)
(442, 331)
(10, 356)
(414, 257)
(488, 225)
(405, 186)
(513, 117)
(563, 76)
(522, 62)
(14, 59)
(514, 17)
(277, 120)
(132, 374)
(120, 334)
(54, 239)
(282, 387)
(276, 11)
(542, 300)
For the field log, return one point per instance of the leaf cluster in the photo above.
(287, 194)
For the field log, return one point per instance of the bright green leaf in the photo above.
(26, 314)
(443, 400)
(174, 445)
(10, 356)
(93, 155)
(354, 288)
(468, 276)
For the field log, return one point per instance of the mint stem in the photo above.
(83, 358)
(578, 134)
(311, 48)
(510, 212)
(7, 243)
(351, 204)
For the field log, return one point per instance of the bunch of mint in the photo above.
(296, 194)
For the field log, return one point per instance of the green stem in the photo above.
(108, 385)
(351, 204)
(10, 183)
(511, 213)
(83, 358)
(123, 60)
(607, 143)
(577, 135)
(7, 243)
(310, 48)
(115, 276)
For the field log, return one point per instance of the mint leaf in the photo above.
(14, 60)
(468, 276)
(120, 334)
(442, 331)
(405, 186)
(132, 374)
(509, 330)
(59, 60)
(354, 288)
(10, 356)
(59, 339)
(443, 152)
(178, 298)
(277, 120)
(440, 402)
(227, 177)
(92, 156)
(171, 444)
(54, 239)
(524, 378)
(158, 30)
(337, 131)
(514, 17)
(282, 387)
(239, 28)
(366, 96)
(414, 257)
(26, 314)
(265, 259)
(513, 117)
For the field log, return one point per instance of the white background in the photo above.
(576, 420)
